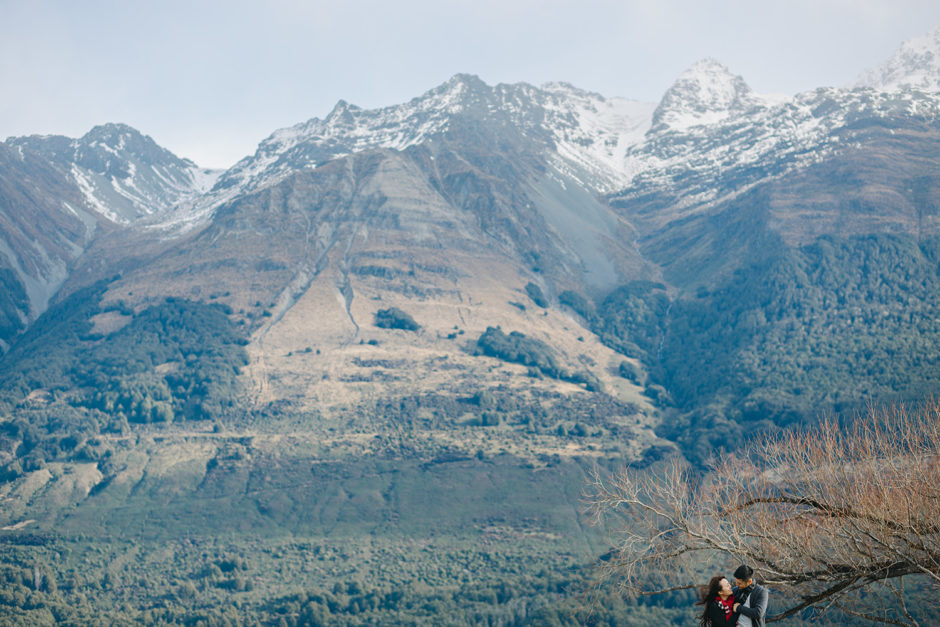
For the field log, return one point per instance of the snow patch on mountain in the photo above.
(916, 65)
(141, 190)
(593, 134)
(91, 195)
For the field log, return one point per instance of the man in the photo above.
(750, 597)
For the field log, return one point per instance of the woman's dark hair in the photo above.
(709, 593)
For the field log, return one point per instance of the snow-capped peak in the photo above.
(459, 85)
(704, 94)
(122, 175)
(343, 113)
(115, 135)
(916, 65)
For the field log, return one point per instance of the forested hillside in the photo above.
(820, 329)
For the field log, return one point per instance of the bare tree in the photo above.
(824, 515)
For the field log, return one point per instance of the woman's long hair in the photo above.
(709, 593)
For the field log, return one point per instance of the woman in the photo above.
(719, 603)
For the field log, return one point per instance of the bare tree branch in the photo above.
(821, 514)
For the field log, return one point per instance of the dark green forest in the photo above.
(816, 330)
(177, 360)
(13, 299)
(216, 588)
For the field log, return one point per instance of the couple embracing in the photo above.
(742, 606)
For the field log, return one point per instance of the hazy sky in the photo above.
(210, 79)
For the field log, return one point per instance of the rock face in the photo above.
(43, 228)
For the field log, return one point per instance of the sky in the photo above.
(209, 79)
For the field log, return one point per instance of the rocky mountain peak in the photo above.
(113, 134)
(458, 93)
(463, 82)
(120, 173)
(119, 149)
(705, 93)
(915, 65)
(343, 113)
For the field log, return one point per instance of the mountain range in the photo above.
(483, 273)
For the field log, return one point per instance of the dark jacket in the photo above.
(716, 615)
(757, 611)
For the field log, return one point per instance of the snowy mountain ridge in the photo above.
(585, 134)
(707, 123)
(573, 117)
(765, 142)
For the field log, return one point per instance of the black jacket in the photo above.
(716, 615)
(757, 611)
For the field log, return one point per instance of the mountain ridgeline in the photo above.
(407, 336)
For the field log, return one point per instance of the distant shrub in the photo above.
(579, 304)
(395, 318)
(535, 293)
(226, 309)
(483, 398)
(629, 371)
(519, 349)
(658, 394)
(588, 379)
(381, 272)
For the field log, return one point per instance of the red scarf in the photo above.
(728, 604)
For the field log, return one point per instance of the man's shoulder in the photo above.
(759, 592)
